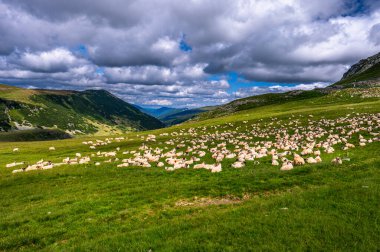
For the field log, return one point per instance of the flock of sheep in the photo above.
(285, 143)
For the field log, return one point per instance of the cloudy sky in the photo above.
(184, 53)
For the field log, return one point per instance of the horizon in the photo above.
(162, 55)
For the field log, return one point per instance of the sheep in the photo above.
(110, 154)
(52, 148)
(330, 150)
(286, 166)
(16, 149)
(13, 164)
(238, 164)
(349, 145)
(305, 140)
(311, 160)
(199, 166)
(275, 162)
(298, 160)
(216, 168)
(337, 161)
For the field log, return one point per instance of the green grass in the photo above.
(104, 208)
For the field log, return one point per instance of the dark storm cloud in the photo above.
(165, 52)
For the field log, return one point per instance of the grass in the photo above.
(17, 94)
(105, 208)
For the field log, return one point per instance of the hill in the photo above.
(364, 74)
(90, 111)
(259, 101)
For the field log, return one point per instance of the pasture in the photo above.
(316, 206)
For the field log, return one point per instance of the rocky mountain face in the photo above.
(362, 66)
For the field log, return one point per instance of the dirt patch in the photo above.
(203, 202)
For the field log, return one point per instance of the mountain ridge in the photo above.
(75, 112)
(362, 66)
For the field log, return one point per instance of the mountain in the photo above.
(75, 112)
(164, 111)
(160, 112)
(172, 116)
(179, 117)
(364, 73)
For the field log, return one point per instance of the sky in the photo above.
(184, 53)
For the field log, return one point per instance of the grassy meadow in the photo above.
(314, 207)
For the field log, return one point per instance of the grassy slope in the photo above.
(332, 208)
(69, 110)
(259, 101)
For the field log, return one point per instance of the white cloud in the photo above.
(56, 60)
(136, 45)
(244, 92)
(160, 102)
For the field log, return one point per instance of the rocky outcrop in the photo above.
(362, 66)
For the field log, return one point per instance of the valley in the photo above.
(294, 171)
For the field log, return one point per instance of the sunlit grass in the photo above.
(85, 207)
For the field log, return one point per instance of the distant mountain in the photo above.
(182, 116)
(172, 116)
(90, 111)
(160, 112)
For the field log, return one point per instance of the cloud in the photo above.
(154, 74)
(145, 50)
(56, 60)
(160, 102)
(245, 92)
(374, 34)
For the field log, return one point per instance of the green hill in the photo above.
(364, 74)
(259, 101)
(90, 111)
